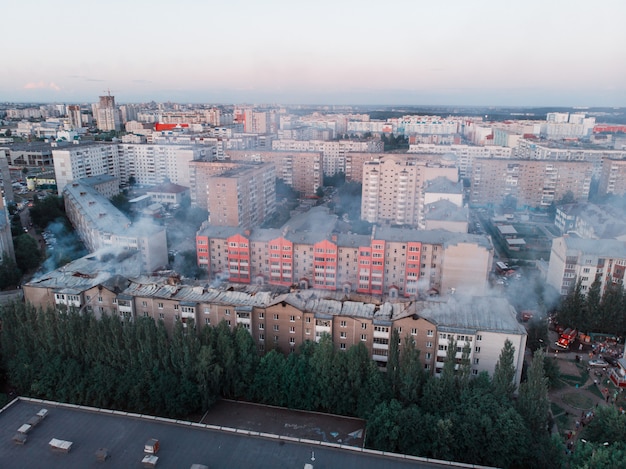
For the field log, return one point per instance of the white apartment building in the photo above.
(573, 258)
(465, 154)
(148, 164)
(100, 225)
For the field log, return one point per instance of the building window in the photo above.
(160, 305)
(292, 340)
(342, 346)
(363, 337)
(261, 326)
(100, 299)
(161, 316)
(227, 312)
(475, 372)
(307, 331)
(275, 317)
(479, 337)
(261, 336)
(261, 315)
(207, 321)
(476, 361)
(430, 333)
(429, 356)
(292, 330)
(413, 331)
(292, 319)
(343, 324)
(429, 344)
(276, 327)
(363, 325)
(144, 304)
(477, 349)
(176, 317)
(343, 335)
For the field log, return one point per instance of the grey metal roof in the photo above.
(610, 248)
(472, 314)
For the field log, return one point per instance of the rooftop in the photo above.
(181, 443)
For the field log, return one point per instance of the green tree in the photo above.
(411, 375)
(504, 373)
(10, 274)
(532, 402)
(27, 254)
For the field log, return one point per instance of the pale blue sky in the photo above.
(491, 52)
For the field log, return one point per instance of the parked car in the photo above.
(598, 362)
(611, 361)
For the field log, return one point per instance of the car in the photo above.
(611, 361)
(598, 362)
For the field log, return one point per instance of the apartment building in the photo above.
(6, 238)
(573, 259)
(612, 176)
(107, 115)
(102, 226)
(464, 155)
(393, 188)
(244, 196)
(307, 252)
(148, 164)
(532, 183)
(300, 170)
(535, 149)
(286, 320)
(333, 153)
(590, 221)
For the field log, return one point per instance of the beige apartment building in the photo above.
(393, 188)
(533, 183)
(303, 171)
(244, 196)
(613, 177)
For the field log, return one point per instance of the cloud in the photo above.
(142, 81)
(41, 85)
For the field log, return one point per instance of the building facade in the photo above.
(393, 188)
(573, 259)
(392, 261)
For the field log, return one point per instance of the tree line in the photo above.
(136, 366)
(594, 311)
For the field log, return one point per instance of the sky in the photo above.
(453, 52)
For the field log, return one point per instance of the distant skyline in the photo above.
(399, 52)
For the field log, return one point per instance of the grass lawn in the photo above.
(577, 400)
(563, 420)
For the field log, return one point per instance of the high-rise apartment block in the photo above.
(244, 196)
(393, 188)
(300, 170)
(613, 176)
(6, 238)
(75, 117)
(532, 183)
(334, 153)
(107, 115)
(574, 259)
(148, 164)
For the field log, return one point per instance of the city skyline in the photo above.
(457, 53)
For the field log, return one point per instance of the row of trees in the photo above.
(136, 366)
(594, 311)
